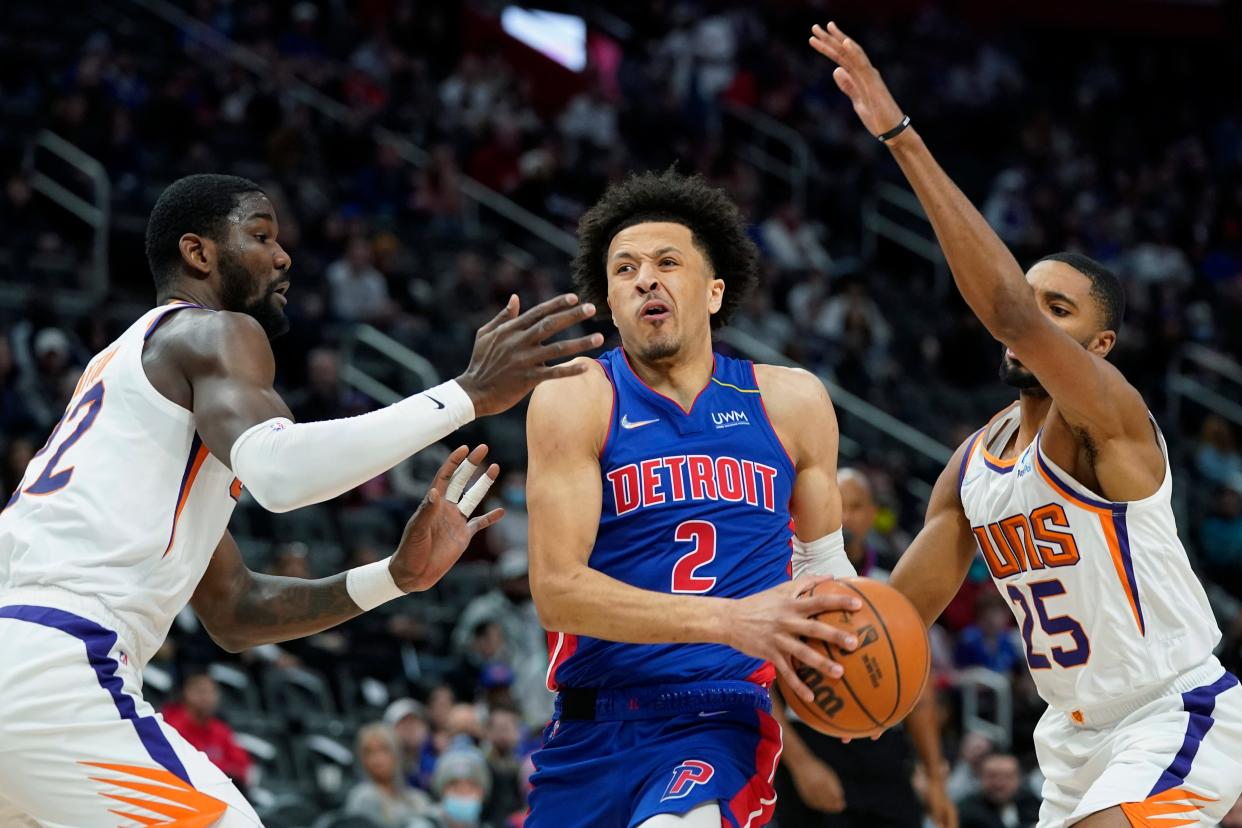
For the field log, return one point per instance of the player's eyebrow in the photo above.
(260, 215)
(627, 254)
(1055, 296)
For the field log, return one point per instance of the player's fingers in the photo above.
(480, 523)
(845, 81)
(790, 683)
(813, 658)
(444, 474)
(549, 326)
(810, 628)
(834, 33)
(798, 586)
(808, 605)
(545, 309)
(826, 48)
(569, 347)
(570, 369)
(471, 499)
(854, 52)
(457, 483)
(509, 311)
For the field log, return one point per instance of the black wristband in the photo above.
(895, 131)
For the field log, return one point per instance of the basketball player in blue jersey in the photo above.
(1066, 494)
(661, 488)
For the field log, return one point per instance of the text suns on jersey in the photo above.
(692, 477)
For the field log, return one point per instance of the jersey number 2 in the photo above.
(703, 535)
(52, 480)
(1059, 625)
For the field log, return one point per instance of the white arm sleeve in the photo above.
(287, 465)
(825, 556)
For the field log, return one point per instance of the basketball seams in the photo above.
(892, 649)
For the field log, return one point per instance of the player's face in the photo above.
(857, 508)
(1064, 296)
(661, 290)
(254, 268)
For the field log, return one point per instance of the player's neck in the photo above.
(1033, 405)
(195, 294)
(680, 378)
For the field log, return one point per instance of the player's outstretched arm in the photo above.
(227, 362)
(1088, 391)
(242, 609)
(566, 426)
(934, 565)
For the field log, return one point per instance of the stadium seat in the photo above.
(301, 698)
(240, 704)
(327, 764)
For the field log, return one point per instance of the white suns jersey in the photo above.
(1104, 595)
(123, 505)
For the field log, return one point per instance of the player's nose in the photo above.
(281, 260)
(648, 278)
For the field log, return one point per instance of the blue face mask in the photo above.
(462, 809)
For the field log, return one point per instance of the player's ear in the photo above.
(716, 294)
(1102, 343)
(198, 253)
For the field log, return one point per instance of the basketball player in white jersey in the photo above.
(1066, 494)
(120, 519)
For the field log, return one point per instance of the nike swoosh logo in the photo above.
(625, 422)
(713, 713)
(439, 404)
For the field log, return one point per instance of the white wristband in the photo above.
(372, 584)
(825, 556)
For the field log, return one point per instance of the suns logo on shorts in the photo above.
(685, 776)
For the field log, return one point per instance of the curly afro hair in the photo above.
(194, 204)
(714, 221)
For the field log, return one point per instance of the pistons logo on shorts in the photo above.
(685, 776)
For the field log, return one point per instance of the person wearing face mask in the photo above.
(462, 781)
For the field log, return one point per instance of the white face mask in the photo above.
(462, 809)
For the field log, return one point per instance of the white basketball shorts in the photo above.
(79, 748)
(1172, 757)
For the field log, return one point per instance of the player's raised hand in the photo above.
(511, 352)
(771, 625)
(441, 529)
(858, 79)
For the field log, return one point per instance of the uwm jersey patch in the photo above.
(694, 502)
(1103, 593)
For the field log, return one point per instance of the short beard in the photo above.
(235, 286)
(659, 350)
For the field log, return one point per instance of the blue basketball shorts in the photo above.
(616, 758)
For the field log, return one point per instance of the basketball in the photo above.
(883, 677)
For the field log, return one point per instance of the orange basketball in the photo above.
(884, 675)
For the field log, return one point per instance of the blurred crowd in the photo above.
(442, 697)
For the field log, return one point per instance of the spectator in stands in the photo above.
(991, 641)
(791, 242)
(504, 734)
(14, 418)
(465, 729)
(496, 686)
(462, 782)
(383, 795)
(408, 720)
(194, 717)
(509, 605)
(359, 292)
(1221, 539)
(1002, 801)
(46, 389)
(322, 398)
(486, 645)
(1217, 457)
(964, 778)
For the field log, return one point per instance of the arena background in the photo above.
(427, 160)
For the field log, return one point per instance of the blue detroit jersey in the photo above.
(694, 503)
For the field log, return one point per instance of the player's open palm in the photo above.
(511, 351)
(858, 79)
(771, 625)
(439, 532)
